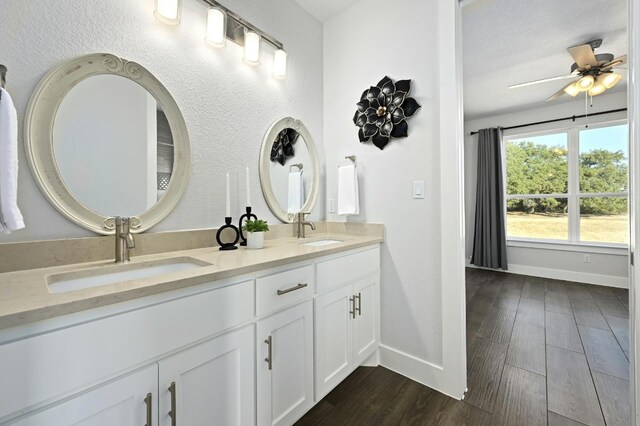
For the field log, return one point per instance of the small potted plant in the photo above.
(255, 230)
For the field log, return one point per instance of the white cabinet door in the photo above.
(129, 401)
(285, 365)
(333, 339)
(366, 328)
(210, 384)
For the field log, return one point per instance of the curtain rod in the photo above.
(573, 117)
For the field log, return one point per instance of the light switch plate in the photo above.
(418, 189)
(332, 205)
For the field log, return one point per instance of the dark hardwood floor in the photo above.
(539, 352)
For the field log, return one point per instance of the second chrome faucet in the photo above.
(301, 223)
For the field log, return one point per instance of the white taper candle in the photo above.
(228, 214)
(248, 190)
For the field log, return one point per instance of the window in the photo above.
(570, 185)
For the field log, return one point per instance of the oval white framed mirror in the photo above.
(105, 138)
(289, 169)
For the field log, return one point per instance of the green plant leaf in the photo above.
(258, 225)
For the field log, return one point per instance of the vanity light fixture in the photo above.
(280, 63)
(223, 24)
(216, 27)
(168, 11)
(251, 48)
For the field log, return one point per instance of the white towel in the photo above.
(348, 195)
(296, 192)
(10, 216)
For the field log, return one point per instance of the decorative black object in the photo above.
(383, 111)
(247, 216)
(228, 225)
(283, 145)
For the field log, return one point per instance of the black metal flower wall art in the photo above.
(282, 147)
(383, 111)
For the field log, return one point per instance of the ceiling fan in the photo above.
(593, 72)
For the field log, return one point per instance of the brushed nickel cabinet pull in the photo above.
(149, 402)
(294, 288)
(359, 308)
(353, 307)
(269, 353)
(172, 413)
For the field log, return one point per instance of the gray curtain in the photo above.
(489, 240)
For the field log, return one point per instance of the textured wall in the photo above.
(228, 106)
(369, 40)
(604, 264)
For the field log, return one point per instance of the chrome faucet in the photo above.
(302, 223)
(124, 239)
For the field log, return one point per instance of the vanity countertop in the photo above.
(25, 296)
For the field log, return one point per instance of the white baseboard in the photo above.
(416, 369)
(373, 360)
(561, 274)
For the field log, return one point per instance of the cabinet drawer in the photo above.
(284, 288)
(343, 270)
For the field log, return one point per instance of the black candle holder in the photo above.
(228, 225)
(247, 216)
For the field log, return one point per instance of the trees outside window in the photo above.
(570, 185)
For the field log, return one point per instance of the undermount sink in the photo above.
(320, 243)
(112, 274)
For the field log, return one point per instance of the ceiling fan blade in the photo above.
(559, 93)
(583, 55)
(615, 63)
(544, 80)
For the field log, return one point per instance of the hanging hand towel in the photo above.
(296, 192)
(10, 215)
(348, 196)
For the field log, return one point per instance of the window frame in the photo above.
(573, 194)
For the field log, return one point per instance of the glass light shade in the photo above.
(216, 27)
(610, 79)
(597, 88)
(251, 48)
(572, 89)
(585, 83)
(168, 11)
(280, 64)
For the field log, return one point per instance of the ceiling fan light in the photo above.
(610, 79)
(585, 83)
(572, 89)
(598, 88)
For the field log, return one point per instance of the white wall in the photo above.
(102, 121)
(354, 59)
(605, 268)
(228, 106)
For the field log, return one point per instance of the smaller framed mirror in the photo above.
(289, 169)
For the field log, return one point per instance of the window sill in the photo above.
(613, 249)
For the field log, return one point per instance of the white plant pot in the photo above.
(255, 240)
